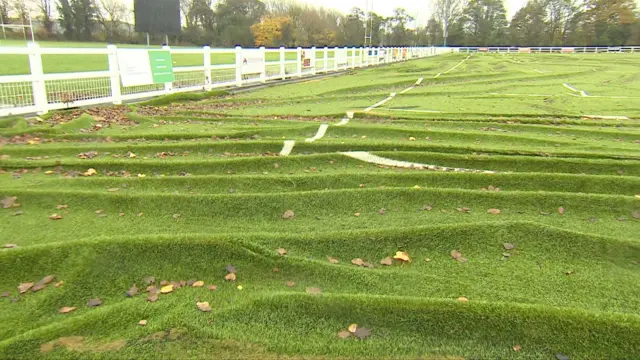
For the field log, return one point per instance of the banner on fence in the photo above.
(306, 58)
(567, 50)
(145, 67)
(253, 62)
(524, 50)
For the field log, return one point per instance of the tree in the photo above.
(559, 16)
(268, 32)
(352, 29)
(434, 32)
(446, 13)
(23, 9)
(111, 14)
(234, 19)
(66, 18)
(528, 26)
(399, 33)
(4, 9)
(610, 22)
(45, 8)
(484, 23)
(84, 13)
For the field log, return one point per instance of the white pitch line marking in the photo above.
(319, 135)
(524, 95)
(419, 81)
(380, 103)
(378, 160)
(437, 76)
(288, 146)
(606, 117)
(583, 93)
(415, 110)
(538, 71)
(342, 122)
(455, 67)
(407, 90)
(570, 87)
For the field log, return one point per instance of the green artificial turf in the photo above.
(188, 184)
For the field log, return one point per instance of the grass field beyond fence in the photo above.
(473, 207)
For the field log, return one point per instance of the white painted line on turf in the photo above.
(437, 76)
(378, 160)
(523, 95)
(455, 67)
(538, 71)
(415, 110)
(583, 93)
(407, 90)
(570, 87)
(380, 103)
(419, 81)
(350, 114)
(606, 117)
(288, 146)
(342, 122)
(319, 135)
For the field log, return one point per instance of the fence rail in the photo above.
(552, 50)
(40, 92)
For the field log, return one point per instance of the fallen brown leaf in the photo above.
(230, 277)
(176, 216)
(494, 211)
(517, 348)
(66, 310)
(290, 284)
(357, 214)
(61, 207)
(386, 261)
(635, 214)
(313, 290)
(132, 291)
(358, 262)
(9, 246)
(561, 210)
(58, 284)
(352, 328)
(508, 246)
(381, 212)
(5, 294)
(153, 297)
(362, 333)
(212, 287)
(463, 299)
(113, 189)
(276, 270)
(94, 302)
(166, 289)
(281, 251)
(288, 215)
(402, 256)
(148, 280)
(24, 287)
(203, 306)
(55, 217)
(344, 334)
(9, 202)
(276, 166)
(152, 289)
(198, 284)
(142, 323)
(427, 208)
(333, 260)
(455, 254)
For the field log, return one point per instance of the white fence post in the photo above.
(263, 73)
(326, 60)
(239, 61)
(114, 70)
(366, 55)
(168, 87)
(207, 68)
(299, 61)
(335, 59)
(37, 83)
(353, 57)
(283, 68)
(313, 60)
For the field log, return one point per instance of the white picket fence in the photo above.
(552, 50)
(40, 92)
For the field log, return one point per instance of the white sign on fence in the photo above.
(253, 62)
(134, 67)
(341, 57)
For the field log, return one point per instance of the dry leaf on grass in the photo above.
(427, 208)
(166, 289)
(113, 189)
(153, 297)
(24, 287)
(381, 212)
(9, 246)
(463, 299)
(9, 202)
(362, 333)
(456, 255)
(333, 260)
(62, 207)
(58, 284)
(198, 284)
(494, 211)
(281, 251)
(508, 246)
(344, 334)
(203, 306)
(90, 172)
(358, 262)
(386, 261)
(561, 210)
(276, 166)
(212, 287)
(94, 302)
(635, 214)
(55, 217)
(517, 348)
(313, 290)
(290, 284)
(288, 215)
(142, 323)
(352, 328)
(231, 269)
(66, 310)
(132, 291)
(402, 256)
(230, 277)
(357, 214)
(148, 280)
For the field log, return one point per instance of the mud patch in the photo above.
(77, 344)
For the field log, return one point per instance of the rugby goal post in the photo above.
(15, 26)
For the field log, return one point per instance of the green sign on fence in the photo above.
(161, 66)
